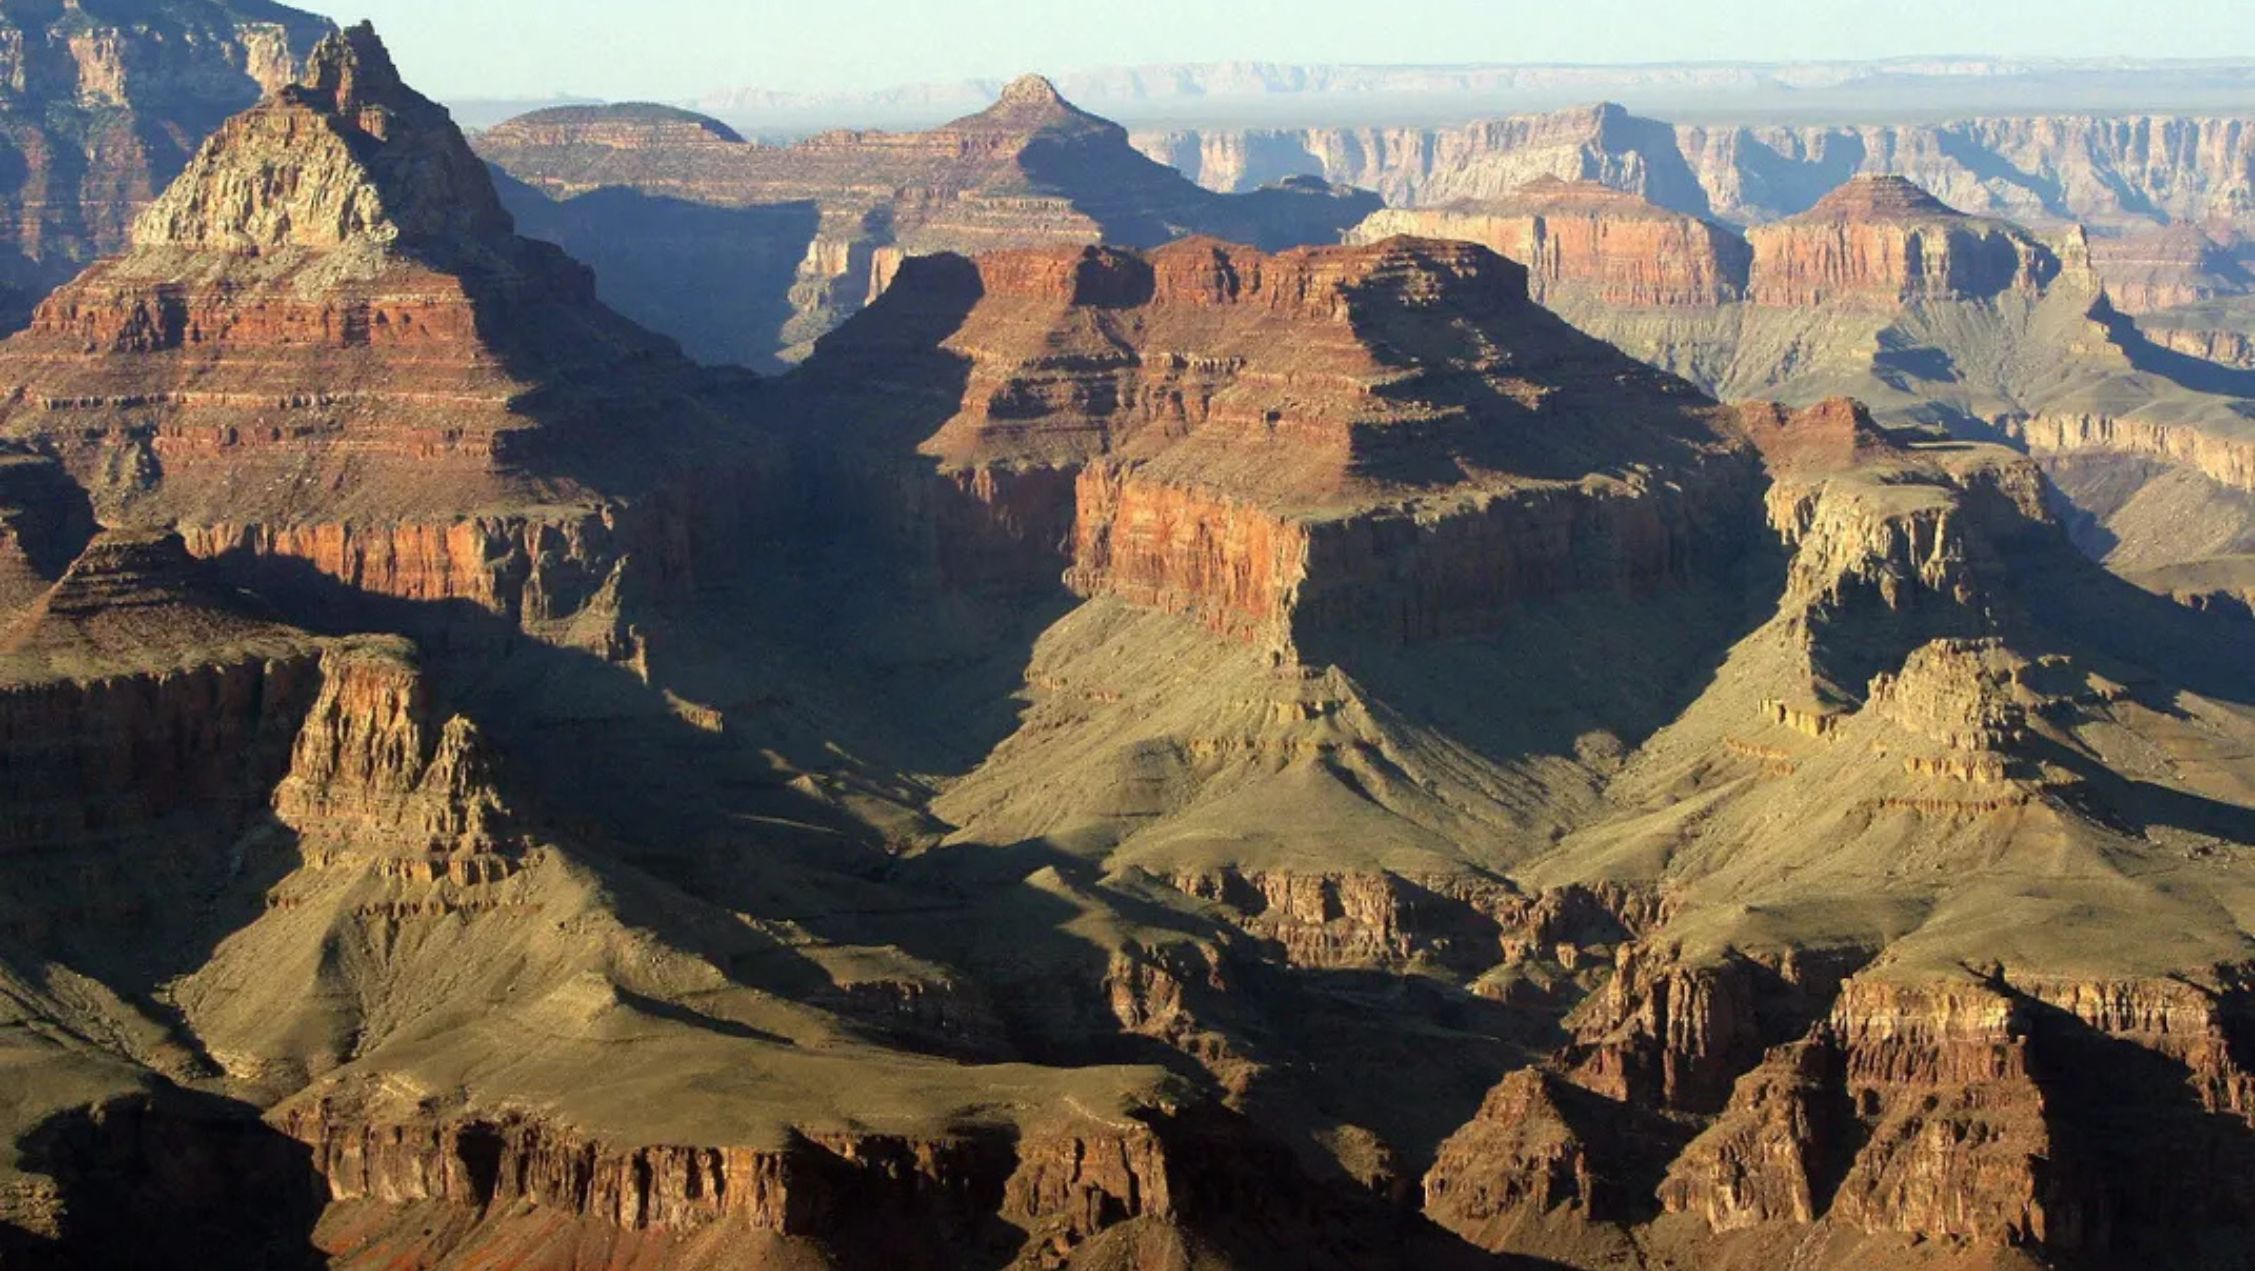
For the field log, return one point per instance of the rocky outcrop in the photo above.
(44, 523)
(1772, 1156)
(1883, 241)
(1526, 1152)
(1853, 540)
(1469, 922)
(1032, 169)
(1666, 1035)
(2225, 347)
(374, 767)
(1584, 242)
(861, 1194)
(326, 352)
(1914, 1111)
(2222, 459)
(144, 709)
(143, 724)
(1947, 1111)
(1249, 452)
(102, 109)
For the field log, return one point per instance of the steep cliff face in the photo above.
(374, 767)
(2225, 347)
(2224, 459)
(1032, 169)
(1884, 293)
(1884, 241)
(2130, 172)
(1588, 241)
(1949, 1109)
(1413, 167)
(859, 1194)
(327, 350)
(2169, 268)
(1254, 451)
(98, 111)
(145, 722)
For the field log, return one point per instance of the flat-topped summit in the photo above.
(1588, 243)
(617, 123)
(1246, 437)
(1884, 240)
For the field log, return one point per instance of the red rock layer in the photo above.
(1033, 169)
(103, 108)
(1884, 241)
(932, 1192)
(1586, 241)
(327, 345)
(1390, 440)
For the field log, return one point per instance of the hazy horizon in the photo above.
(501, 49)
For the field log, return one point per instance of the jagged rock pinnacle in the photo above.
(348, 154)
(353, 69)
(1031, 90)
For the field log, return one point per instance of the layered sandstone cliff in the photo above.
(1389, 441)
(2136, 171)
(103, 108)
(2167, 268)
(327, 349)
(1884, 241)
(1585, 241)
(1032, 169)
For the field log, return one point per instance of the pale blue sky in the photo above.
(676, 49)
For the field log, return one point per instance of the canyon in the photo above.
(1030, 169)
(1932, 317)
(1555, 732)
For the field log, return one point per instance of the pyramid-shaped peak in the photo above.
(126, 568)
(1882, 197)
(349, 155)
(134, 599)
(1031, 89)
(1031, 104)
